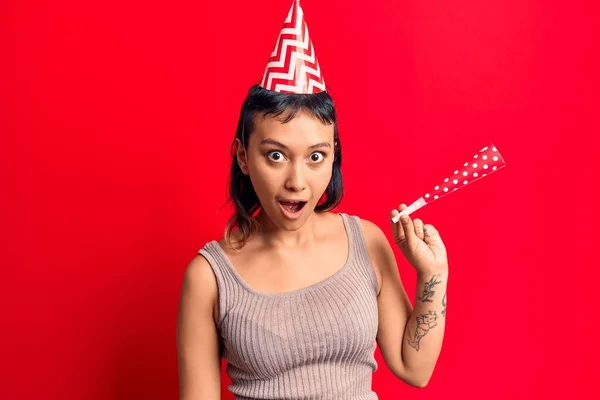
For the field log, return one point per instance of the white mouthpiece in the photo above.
(410, 209)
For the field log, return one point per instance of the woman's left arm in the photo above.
(424, 333)
(424, 249)
(410, 339)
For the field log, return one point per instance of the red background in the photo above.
(115, 125)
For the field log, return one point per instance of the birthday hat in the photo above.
(293, 67)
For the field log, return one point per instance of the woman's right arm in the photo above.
(197, 336)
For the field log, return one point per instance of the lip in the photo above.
(289, 215)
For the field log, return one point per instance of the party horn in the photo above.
(486, 161)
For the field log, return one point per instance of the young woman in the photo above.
(294, 296)
(297, 296)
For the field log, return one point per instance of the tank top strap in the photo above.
(360, 252)
(228, 286)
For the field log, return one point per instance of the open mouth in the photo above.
(292, 206)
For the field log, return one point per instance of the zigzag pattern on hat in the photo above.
(293, 67)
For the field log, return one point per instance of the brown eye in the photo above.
(315, 157)
(274, 156)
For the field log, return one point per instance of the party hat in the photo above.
(486, 161)
(293, 67)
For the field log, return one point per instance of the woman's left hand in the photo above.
(421, 244)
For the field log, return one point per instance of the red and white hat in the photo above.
(293, 67)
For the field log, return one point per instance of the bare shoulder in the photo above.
(200, 284)
(197, 335)
(374, 236)
(199, 275)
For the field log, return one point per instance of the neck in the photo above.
(274, 236)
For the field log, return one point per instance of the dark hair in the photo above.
(264, 102)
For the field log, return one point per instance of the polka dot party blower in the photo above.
(485, 162)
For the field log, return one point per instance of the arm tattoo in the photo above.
(428, 291)
(444, 304)
(424, 323)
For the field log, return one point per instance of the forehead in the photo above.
(302, 129)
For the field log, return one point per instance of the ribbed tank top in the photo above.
(312, 343)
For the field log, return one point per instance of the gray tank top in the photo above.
(316, 342)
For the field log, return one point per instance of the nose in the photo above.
(295, 179)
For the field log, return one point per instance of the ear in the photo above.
(241, 156)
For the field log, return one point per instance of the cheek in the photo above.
(320, 179)
(327, 172)
(264, 180)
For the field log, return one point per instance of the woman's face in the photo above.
(288, 162)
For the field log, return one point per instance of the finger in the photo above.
(409, 229)
(419, 228)
(397, 229)
(431, 234)
(402, 207)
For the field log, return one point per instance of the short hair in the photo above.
(260, 101)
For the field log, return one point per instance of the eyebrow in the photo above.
(276, 143)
